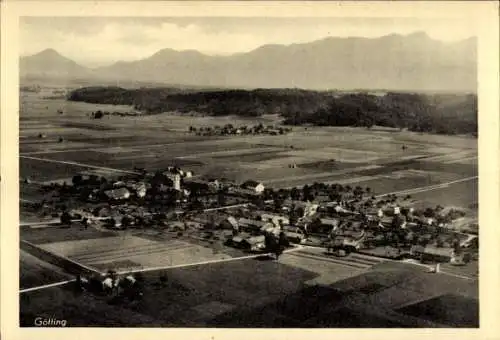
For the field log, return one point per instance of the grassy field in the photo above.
(128, 252)
(60, 234)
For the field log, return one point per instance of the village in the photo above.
(339, 218)
(229, 129)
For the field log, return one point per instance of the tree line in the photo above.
(436, 113)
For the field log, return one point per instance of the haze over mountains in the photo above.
(395, 62)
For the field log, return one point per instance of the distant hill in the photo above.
(49, 63)
(395, 62)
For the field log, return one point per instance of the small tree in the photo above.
(126, 222)
(77, 180)
(163, 280)
(65, 218)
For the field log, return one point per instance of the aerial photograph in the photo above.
(248, 172)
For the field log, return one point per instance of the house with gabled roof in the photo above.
(253, 186)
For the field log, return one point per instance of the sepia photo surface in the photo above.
(248, 171)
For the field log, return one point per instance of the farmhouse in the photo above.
(117, 194)
(293, 234)
(214, 184)
(322, 226)
(253, 186)
(251, 243)
(308, 208)
(342, 211)
(432, 254)
(386, 221)
(196, 184)
(332, 223)
(399, 221)
(253, 225)
(229, 223)
(276, 219)
(138, 188)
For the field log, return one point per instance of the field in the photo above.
(34, 272)
(127, 252)
(433, 169)
(261, 293)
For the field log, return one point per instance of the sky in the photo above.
(97, 41)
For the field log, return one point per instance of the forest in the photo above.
(434, 113)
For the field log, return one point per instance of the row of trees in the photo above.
(335, 192)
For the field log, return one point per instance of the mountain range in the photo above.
(412, 62)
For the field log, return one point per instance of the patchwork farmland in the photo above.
(301, 290)
(208, 284)
(323, 154)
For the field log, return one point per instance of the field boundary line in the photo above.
(457, 275)
(460, 160)
(58, 257)
(51, 222)
(55, 284)
(428, 188)
(80, 164)
(97, 148)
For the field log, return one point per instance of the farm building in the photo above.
(322, 226)
(244, 192)
(386, 221)
(138, 188)
(214, 184)
(117, 194)
(277, 220)
(253, 186)
(308, 208)
(194, 225)
(253, 225)
(196, 184)
(333, 223)
(432, 254)
(229, 223)
(248, 242)
(399, 221)
(351, 238)
(294, 234)
(119, 184)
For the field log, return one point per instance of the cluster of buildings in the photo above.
(355, 222)
(229, 129)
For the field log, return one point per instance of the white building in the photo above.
(253, 186)
(176, 179)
